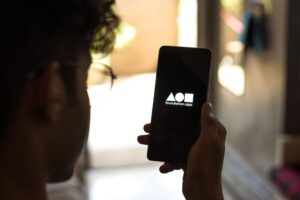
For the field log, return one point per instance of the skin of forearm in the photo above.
(209, 191)
(207, 195)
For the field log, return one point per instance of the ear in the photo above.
(48, 94)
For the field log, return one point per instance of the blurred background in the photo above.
(254, 89)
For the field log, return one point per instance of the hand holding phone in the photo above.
(202, 172)
(180, 91)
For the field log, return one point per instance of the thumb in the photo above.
(208, 121)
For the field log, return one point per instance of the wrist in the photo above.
(208, 191)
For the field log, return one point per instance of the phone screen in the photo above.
(180, 90)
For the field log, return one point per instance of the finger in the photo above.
(143, 139)
(208, 121)
(222, 131)
(168, 167)
(147, 128)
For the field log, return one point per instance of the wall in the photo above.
(256, 119)
(155, 22)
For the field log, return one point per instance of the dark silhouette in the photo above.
(44, 104)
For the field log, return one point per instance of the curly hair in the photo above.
(27, 22)
(35, 32)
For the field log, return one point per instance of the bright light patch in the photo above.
(231, 76)
(187, 23)
(125, 36)
(235, 47)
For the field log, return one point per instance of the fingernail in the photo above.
(210, 105)
(211, 111)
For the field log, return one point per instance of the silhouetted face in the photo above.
(44, 121)
(68, 134)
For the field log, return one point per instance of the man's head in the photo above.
(44, 62)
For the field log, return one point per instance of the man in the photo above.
(44, 104)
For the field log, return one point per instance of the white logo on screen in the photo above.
(180, 99)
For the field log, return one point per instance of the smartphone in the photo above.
(181, 88)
